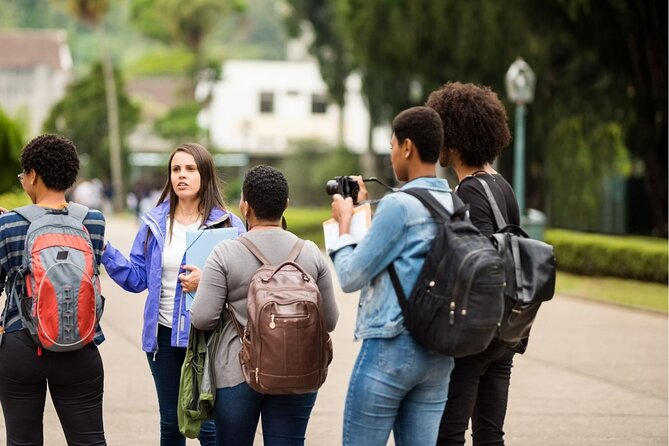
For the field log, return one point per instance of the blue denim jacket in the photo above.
(401, 232)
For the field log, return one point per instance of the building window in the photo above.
(319, 103)
(266, 102)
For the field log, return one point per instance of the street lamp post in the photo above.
(520, 81)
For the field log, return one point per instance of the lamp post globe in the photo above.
(520, 82)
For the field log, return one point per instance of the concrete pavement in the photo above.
(594, 374)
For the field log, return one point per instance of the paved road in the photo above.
(594, 374)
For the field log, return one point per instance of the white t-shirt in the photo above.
(173, 254)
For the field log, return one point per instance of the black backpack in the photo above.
(530, 275)
(457, 302)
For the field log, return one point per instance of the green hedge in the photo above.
(640, 258)
(307, 223)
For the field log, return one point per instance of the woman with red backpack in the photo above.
(75, 378)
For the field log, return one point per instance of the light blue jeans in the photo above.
(396, 385)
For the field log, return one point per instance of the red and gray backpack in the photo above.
(57, 288)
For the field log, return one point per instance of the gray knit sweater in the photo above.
(228, 271)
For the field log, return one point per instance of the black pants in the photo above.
(75, 380)
(479, 390)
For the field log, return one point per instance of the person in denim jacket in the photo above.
(191, 199)
(396, 384)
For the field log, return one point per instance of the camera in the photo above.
(346, 186)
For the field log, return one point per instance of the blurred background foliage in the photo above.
(310, 165)
(82, 117)
(596, 129)
(11, 141)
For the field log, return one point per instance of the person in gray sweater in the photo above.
(227, 273)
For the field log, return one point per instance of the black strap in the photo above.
(438, 211)
(401, 297)
(515, 249)
(499, 219)
(435, 208)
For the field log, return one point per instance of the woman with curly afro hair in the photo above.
(75, 379)
(476, 131)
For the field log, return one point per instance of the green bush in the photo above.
(11, 200)
(307, 223)
(640, 258)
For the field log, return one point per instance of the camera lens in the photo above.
(332, 187)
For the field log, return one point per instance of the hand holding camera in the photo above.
(348, 191)
(348, 186)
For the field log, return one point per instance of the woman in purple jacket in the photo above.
(191, 199)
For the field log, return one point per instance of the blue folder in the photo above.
(199, 244)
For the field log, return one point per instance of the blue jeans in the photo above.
(165, 367)
(396, 385)
(284, 417)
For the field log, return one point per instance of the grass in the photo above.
(307, 222)
(632, 293)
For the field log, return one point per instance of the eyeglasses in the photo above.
(21, 176)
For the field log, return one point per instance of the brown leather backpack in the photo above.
(285, 346)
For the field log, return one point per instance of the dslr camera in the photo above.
(346, 186)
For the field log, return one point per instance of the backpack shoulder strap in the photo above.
(297, 249)
(435, 207)
(292, 255)
(254, 250)
(437, 210)
(77, 211)
(493, 203)
(31, 212)
(431, 203)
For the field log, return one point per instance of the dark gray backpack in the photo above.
(530, 275)
(457, 302)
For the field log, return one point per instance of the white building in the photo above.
(261, 107)
(35, 67)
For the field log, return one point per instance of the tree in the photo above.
(82, 117)
(180, 123)
(11, 141)
(406, 48)
(327, 46)
(605, 60)
(409, 47)
(626, 45)
(187, 23)
(92, 12)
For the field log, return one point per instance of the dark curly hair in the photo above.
(266, 190)
(475, 121)
(423, 126)
(54, 158)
